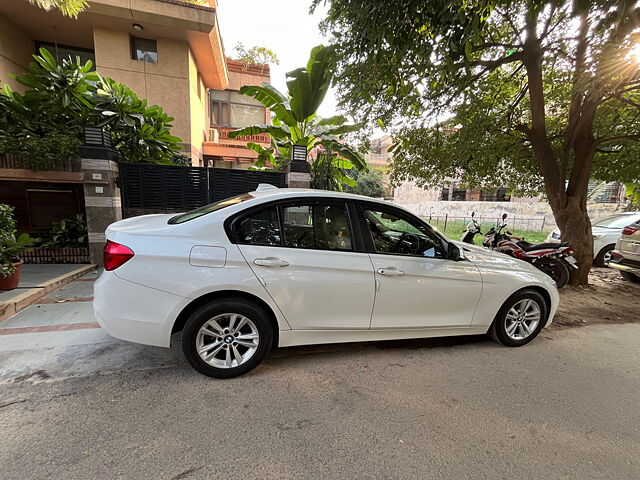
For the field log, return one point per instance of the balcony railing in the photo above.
(221, 134)
(17, 162)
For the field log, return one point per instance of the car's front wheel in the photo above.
(520, 319)
(227, 338)
(604, 256)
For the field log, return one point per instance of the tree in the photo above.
(70, 8)
(329, 172)
(545, 91)
(45, 124)
(295, 120)
(255, 55)
(370, 183)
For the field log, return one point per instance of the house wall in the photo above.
(525, 215)
(16, 49)
(165, 83)
(199, 121)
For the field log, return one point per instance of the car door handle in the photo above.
(390, 272)
(270, 262)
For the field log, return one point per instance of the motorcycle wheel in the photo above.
(555, 268)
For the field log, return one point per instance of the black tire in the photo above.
(555, 268)
(631, 277)
(498, 330)
(599, 261)
(202, 315)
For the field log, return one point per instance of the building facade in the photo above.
(230, 110)
(167, 51)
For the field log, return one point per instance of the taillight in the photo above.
(616, 255)
(629, 230)
(115, 255)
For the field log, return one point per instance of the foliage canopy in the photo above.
(295, 120)
(527, 93)
(45, 123)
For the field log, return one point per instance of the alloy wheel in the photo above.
(522, 319)
(227, 340)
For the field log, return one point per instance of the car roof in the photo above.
(274, 193)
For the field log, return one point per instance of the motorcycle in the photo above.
(554, 259)
(473, 229)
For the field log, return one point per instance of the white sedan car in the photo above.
(606, 233)
(293, 267)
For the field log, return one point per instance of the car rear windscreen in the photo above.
(212, 207)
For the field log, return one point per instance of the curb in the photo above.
(22, 301)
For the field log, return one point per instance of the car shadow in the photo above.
(347, 349)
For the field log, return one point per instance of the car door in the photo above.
(304, 254)
(416, 284)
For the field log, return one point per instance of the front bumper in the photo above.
(135, 313)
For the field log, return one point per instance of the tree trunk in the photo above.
(575, 225)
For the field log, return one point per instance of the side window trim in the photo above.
(363, 206)
(354, 216)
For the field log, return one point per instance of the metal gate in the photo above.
(149, 188)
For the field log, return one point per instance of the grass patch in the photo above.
(456, 227)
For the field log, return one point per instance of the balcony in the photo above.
(221, 135)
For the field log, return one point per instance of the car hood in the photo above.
(485, 258)
(605, 231)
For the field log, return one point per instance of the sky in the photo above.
(284, 26)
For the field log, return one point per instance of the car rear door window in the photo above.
(321, 226)
(259, 228)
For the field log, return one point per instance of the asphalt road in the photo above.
(565, 406)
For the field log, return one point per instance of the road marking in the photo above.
(49, 328)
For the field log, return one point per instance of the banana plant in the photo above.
(295, 120)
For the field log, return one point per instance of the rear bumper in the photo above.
(626, 265)
(135, 313)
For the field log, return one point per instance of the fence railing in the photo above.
(56, 255)
(222, 133)
(444, 222)
(17, 162)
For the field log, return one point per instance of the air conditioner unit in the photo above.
(214, 135)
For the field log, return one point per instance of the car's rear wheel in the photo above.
(632, 277)
(227, 338)
(604, 256)
(520, 319)
(555, 268)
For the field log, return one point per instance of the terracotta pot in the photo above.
(12, 281)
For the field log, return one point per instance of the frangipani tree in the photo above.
(295, 120)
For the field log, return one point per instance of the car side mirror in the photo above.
(454, 253)
(504, 216)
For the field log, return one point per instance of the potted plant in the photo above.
(10, 249)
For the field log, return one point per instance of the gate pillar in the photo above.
(102, 202)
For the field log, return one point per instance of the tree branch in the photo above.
(493, 64)
(601, 140)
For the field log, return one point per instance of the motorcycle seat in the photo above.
(527, 247)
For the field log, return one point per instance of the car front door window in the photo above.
(394, 233)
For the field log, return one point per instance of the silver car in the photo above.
(626, 256)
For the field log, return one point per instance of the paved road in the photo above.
(565, 406)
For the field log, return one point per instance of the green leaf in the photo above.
(271, 98)
(334, 120)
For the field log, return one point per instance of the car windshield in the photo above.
(617, 221)
(212, 207)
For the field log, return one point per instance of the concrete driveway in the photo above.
(85, 406)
